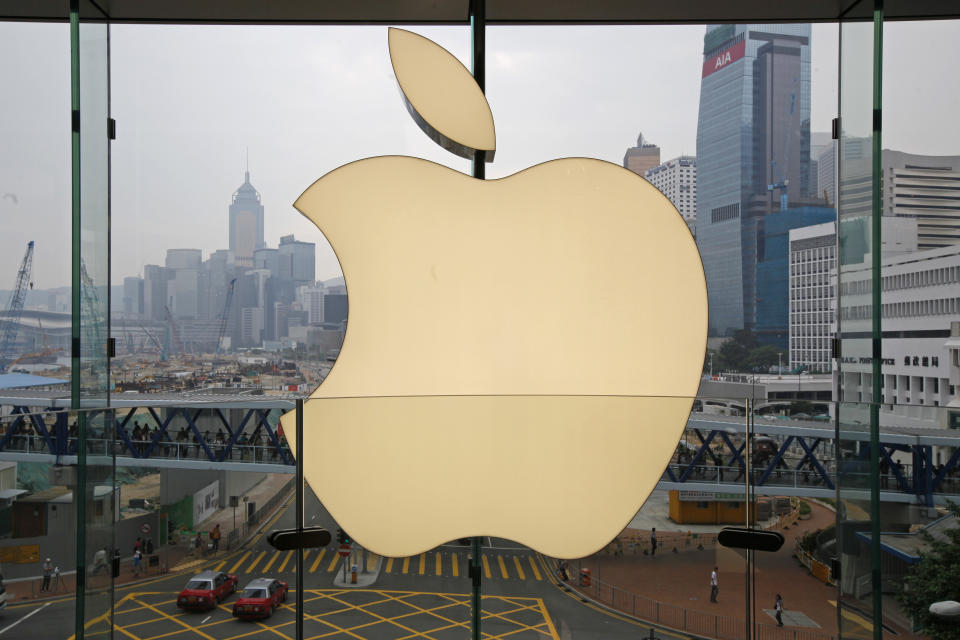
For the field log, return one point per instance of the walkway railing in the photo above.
(792, 458)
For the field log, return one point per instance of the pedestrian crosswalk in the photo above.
(495, 566)
(437, 563)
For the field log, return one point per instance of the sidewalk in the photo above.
(173, 558)
(674, 586)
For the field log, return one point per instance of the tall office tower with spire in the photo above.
(246, 223)
(642, 157)
(753, 155)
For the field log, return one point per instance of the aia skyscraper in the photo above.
(753, 154)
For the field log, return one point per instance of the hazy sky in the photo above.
(191, 100)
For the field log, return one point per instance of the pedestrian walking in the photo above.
(47, 572)
(148, 546)
(215, 537)
(778, 608)
(137, 557)
(653, 541)
(714, 585)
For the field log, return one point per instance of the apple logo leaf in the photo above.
(521, 354)
(442, 96)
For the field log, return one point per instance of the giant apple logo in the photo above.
(521, 353)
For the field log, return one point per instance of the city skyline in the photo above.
(174, 163)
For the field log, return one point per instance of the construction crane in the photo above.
(92, 318)
(153, 338)
(225, 316)
(11, 323)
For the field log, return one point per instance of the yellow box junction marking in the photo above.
(514, 613)
(174, 619)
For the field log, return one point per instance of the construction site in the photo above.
(149, 355)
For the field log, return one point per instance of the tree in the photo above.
(732, 356)
(764, 357)
(934, 579)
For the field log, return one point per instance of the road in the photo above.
(425, 596)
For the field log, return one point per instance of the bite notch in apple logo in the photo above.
(521, 354)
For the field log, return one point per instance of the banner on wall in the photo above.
(206, 502)
(23, 554)
(724, 58)
(710, 496)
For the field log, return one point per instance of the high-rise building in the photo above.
(297, 260)
(267, 258)
(183, 286)
(773, 270)
(246, 223)
(820, 143)
(335, 309)
(132, 296)
(826, 173)
(155, 290)
(813, 277)
(813, 285)
(920, 308)
(677, 179)
(753, 154)
(184, 259)
(311, 301)
(215, 276)
(926, 188)
(642, 157)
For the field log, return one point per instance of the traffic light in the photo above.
(342, 537)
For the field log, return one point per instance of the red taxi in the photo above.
(205, 590)
(260, 598)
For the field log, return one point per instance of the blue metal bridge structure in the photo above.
(242, 432)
